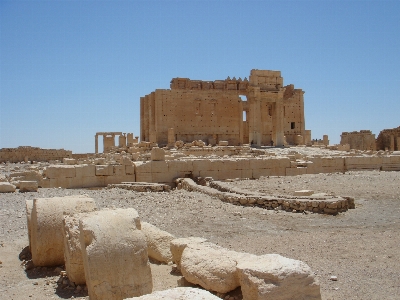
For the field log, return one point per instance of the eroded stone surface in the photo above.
(47, 241)
(158, 242)
(114, 254)
(179, 293)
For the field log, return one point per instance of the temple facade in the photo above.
(258, 111)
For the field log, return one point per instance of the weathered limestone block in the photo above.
(273, 276)
(57, 171)
(178, 245)
(158, 242)
(130, 169)
(72, 249)
(85, 171)
(210, 266)
(114, 255)
(69, 161)
(104, 170)
(31, 175)
(303, 193)
(47, 239)
(157, 154)
(29, 207)
(6, 187)
(179, 293)
(28, 186)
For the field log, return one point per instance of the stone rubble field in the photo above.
(355, 254)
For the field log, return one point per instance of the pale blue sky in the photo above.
(71, 68)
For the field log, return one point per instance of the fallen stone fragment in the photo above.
(210, 266)
(115, 256)
(47, 241)
(6, 187)
(158, 242)
(179, 293)
(178, 245)
(28, 186)
(273, 276)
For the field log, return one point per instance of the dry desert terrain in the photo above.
(360, 247)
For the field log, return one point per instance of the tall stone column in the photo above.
(96, 143)
(254, 117)
(391, 143)
(279, 125)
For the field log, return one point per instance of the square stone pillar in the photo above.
(279, 139)
(391, 143)
(96, 144)
(171, 137)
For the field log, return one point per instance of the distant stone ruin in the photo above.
(259, 111)
(389, 139)
(27, 153)
(361, 140)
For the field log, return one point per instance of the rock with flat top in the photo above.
(158, 242)
(273, 276)
(179, 293)
(6, 187)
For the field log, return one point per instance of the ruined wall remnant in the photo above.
(389, 139)
(360, 140)
(27, 153)
(259, 111)
(124, 140)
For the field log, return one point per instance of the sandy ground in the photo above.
(360, 247)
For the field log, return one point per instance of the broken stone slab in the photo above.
(273, 276)
(158, 242)
(178, 245)
(180, 293)
(115, 256)
(210, 266)
(72, 249)
(6, 187)
(47, 241)
(157, 154)
(303, 193)
(28, 186)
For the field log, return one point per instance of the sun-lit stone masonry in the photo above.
(389, 139)
(27, 153)
(124, 140)
(141, 186)
(361, 140)
(317, 203)
(259, 111)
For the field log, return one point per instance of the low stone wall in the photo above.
(141, 186)
(167, 171)
(27, 153)
(318, 203)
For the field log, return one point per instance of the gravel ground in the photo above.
(360, 246)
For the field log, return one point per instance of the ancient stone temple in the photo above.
(361, 140)
(259, 111)
(389, 139)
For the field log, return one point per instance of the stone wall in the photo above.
(87, 175)
(214, 111)
(360, 140)
(27, 153)
(389, 139)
